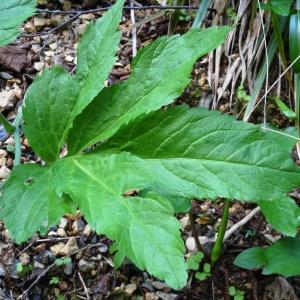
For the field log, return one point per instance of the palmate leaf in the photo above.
(29, 202)
(198, 153)
(283, 257)
(162, 71)
(55, 97)
(12, 14)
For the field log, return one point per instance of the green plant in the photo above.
(63, 261)
(206, 272)
(54, 280)
(118, 139)
(284, 108)
(12, 14)
(23, 270)
(236, 293)
(193, 262)
(287, 249)
(242, 94)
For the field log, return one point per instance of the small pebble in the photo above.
(87, 230)
(159, 285)
(2, 270)
(78, 226)
(39, 66)
(4, 172)
(166, 296)
(130, 288)
(68, 269)
(86, 266)
(24, 258)
(61, 232)
(63, 223)
(38, 265)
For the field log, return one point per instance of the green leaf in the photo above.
(279, 7)
(96, 54)
(48, 111)
(140, 226)
(206, 268)
(285, 109)
(63, 261)
(283, 257)
(12, 14)
(282, 214)
(232, 291)
(294, 41)
(194, 260)
(252, 258)
(201, 276)
(161, 70)
(29, 203)
(55, 98)
(196, 153)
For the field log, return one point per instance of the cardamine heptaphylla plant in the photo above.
(118, 139)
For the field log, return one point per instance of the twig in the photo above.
(56, 239)
(134, 37)
(267, 64)
(242, 222)
(236, 226)
(84, 286)
(271, 87)
(17, 138)
(51, 266)
(101, 9)
(194, 231)
(55, 28)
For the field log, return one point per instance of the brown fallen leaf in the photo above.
(279, 289)
(13, 57)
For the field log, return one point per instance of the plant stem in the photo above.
(17, 137)
(8, 127)
(280, 45)
(297, 101)
(194, 230)
(216, 251)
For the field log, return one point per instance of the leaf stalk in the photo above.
(216, 251)
(7, 125)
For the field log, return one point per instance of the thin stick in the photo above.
(282, 133)
(51, 266)
(271, 87)
(194, 230)
(101, 9)
(241, 223)
(84, 286)
(267, 64)
(134, 37)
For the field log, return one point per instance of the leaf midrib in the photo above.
(218, 162)
(124, 115)
(81, 167)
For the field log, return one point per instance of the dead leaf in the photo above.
(279, 289)
(13, 57)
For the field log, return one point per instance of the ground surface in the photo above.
(29, 270)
